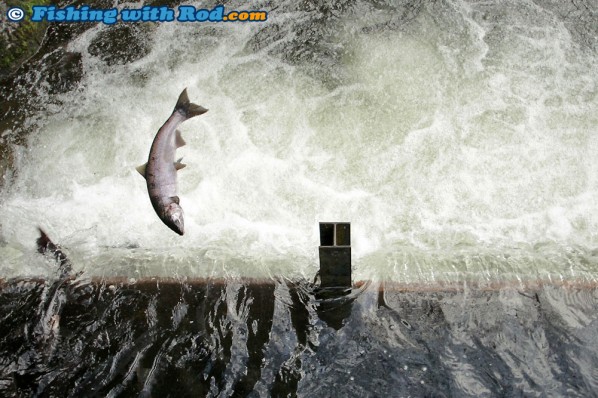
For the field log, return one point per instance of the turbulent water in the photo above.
(455, 137)
(458, 138)
(280, 339)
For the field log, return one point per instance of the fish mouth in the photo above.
(177, 226)
(174, 218)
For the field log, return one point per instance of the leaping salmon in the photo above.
(161, 168)
(46, 246)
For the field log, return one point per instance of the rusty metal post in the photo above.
(335, 254)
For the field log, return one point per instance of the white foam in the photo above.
(438, 137)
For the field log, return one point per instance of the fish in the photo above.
(46, 246)
(160, 171)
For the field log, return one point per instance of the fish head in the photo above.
(173, 217)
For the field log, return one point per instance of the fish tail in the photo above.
(186, 108)
(46, 246)
(44, 243)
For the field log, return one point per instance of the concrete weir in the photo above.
(115, 336)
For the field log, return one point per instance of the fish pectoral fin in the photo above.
(141, 169)
(179, 141)
(178, 165)
(175, 199)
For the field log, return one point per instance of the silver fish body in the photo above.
(160, 171)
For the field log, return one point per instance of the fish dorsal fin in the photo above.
(141, 169)
(175, 199)
(178, 165)
(179, 141)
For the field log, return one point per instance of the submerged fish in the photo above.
(46, 246)
(160, 169)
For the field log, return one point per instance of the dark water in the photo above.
(245, 338)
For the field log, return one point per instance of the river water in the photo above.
(458, 138)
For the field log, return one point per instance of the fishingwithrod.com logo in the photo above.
(111, 16)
